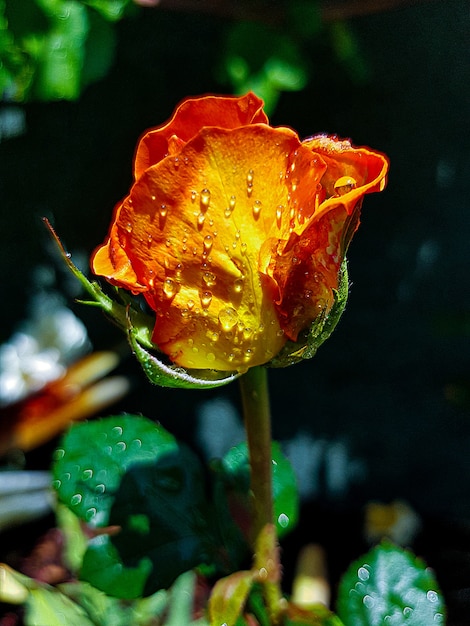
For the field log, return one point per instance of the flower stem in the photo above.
(257, 417)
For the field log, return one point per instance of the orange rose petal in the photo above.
(199, 255)
(190, 117)
(235, 231)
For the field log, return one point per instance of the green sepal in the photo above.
(311, 339)
(139, 327)
(159, 373)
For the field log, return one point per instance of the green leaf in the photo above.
(389, 586)
(165, 517)
(93, 457)
(228, 598)
(61, 52)
(112, 10)
(263, 60)
(99, 49)
(103, 568)
(236, 469)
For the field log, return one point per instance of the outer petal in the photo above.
(190, 117)
(306, 267)
(194, 234)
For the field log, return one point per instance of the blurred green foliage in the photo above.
(51, 49)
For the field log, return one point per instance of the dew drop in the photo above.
(59, 454)
(238, 285)
(153, 198)
(210, 356)
(228, 318)
(368, 601)
(100, 489)
(170, 287)
(207, 244)
(200, 220)
(87, 474)
(176, 162)
(232, 202)
(249, 182)
(344, 184)
(205, 199)
(209, 279)
(117, 431)
(283, 520)
(90, 514)
(128, 227)
(279, 210)
(121, 446)
(193, 196)
(248, 355)
(76, 499)
(163, 211)
(206, 299)
(56, 484)
(256, 209)
(363, 573)
(432, 596)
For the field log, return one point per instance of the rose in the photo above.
(234, 231)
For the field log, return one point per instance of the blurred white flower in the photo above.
(40, 351)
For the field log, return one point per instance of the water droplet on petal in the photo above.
(206, 298)
(210, 356)
(200, 220)
(205, 199)
(209, 279)
(170, 287)
(249, 182)
(256, 209)
(207, 244)
(279, 210)
(344, 184)
(238, 285)
(193, 196)
(228, 318)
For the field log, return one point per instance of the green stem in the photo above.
(257, 417)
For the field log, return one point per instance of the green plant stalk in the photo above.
(257, 418)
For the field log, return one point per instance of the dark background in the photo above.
(392, 385)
